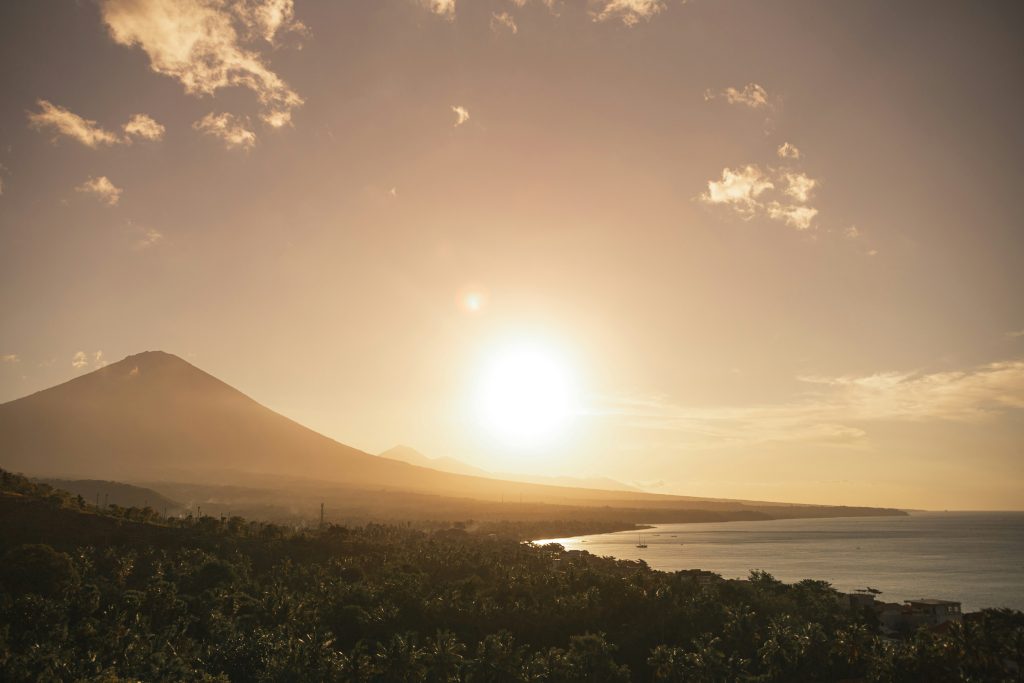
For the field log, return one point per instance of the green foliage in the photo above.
(112, 598)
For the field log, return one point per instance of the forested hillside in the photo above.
(126, 594)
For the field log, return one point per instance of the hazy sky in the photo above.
(773, 249)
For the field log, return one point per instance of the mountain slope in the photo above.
(154, 417)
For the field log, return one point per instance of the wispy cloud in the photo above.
(461, 115)
(503, 21)
(780, 194)
(230, 129)
(629, 12)
(209, 45)
(442, 8)
(61, 121)
(11, 358)
(751, 95)
(143, 126)
(103, 189)
(839, 409)
(150, 238)
(82, 360)
(788, 151)
(739, 189)
(793, 215)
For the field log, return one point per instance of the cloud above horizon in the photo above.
(751, 95)
(82, 360)
(629, 12)
(230, 129)
(503, 21)
(746, 191)
(461, 115)
(64, 122)
(839, 409)
(208, 46)
(102, 189)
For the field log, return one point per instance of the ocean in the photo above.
(976, 558)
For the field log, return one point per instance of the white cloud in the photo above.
(104, 190)
(503, 21)
(10, 358)
(268, 18)
(788, 151)
(198, 43)
(442, 8)
(838, 409)
(64, 122)
(229, 128)
(461, 115)
(799, 186)
(739, 189)
(751, 190)
(852, 232)
(82, 360)
(629, 12)
(752, 95)
(143, 126)
(799, 217)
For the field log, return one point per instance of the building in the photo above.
(931, 612)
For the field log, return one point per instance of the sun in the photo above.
(526, 396)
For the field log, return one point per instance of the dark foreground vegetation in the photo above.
(126, 594)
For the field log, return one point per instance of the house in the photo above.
(931, 612)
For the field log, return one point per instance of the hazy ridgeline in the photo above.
(125, 594)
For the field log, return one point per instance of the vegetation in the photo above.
(125, 595)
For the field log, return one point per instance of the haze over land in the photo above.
(724, 249)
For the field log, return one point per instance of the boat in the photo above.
(640, 542)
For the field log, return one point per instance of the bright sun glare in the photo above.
(526, 396)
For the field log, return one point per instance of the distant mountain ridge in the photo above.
(153, 417)
(446, 464)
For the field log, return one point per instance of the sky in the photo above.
(763, 250)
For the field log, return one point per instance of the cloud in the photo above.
(752, 190)
(739, 189)
(1016, 334)
(752, 95)
(788, 151)
(852, 232)
(200, 43)
(461, 115)
(82, 360)
(799, 217)
(150, 238)
(104, 190)
(229, 128)
(11, 358)
(839, 409)
(143, 126)
(799, 186)
(503, 21)
(629, 12)
(64, 122)
(442, 8)
(61, 121)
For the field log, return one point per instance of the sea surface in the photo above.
(974, 557)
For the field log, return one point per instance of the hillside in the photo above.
(153, 417)
(96, 595)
